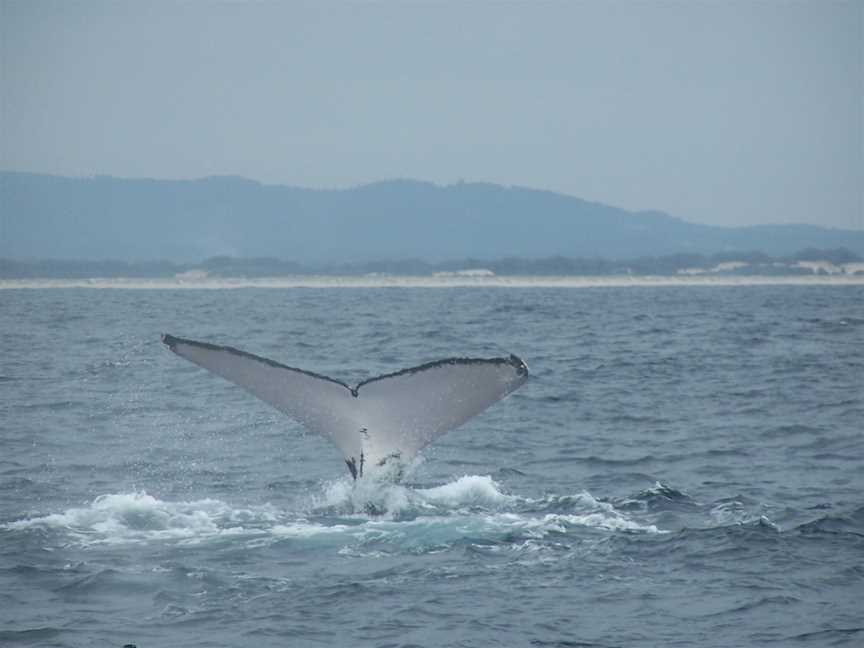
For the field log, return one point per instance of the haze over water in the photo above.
(684, 467)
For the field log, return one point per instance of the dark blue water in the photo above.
(685, 467)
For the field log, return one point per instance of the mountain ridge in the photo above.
(104, 217)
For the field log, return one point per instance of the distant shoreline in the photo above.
(395, 281)
(265, 230)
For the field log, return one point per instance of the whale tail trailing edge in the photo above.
(381, 420)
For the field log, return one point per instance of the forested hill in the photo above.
(51, 217)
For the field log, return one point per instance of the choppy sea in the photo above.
(685, 467)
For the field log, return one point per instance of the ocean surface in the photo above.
(685, 467)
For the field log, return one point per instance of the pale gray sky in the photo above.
(717, 112)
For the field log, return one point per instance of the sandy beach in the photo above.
(387, 281)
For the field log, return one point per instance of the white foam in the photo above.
(363, 515)
(592, 513)
(130, 517)
(363, 497)
(470, 490)
(305, 529)
(394, 500)
(472, 504)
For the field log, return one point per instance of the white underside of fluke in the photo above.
(384, 419)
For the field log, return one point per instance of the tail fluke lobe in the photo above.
(394, 415)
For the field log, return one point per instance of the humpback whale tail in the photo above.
(383, 420)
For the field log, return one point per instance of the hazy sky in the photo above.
(717, 112)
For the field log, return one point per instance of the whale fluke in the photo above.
(382, 419)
